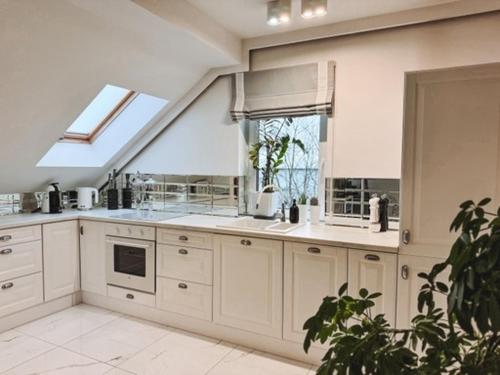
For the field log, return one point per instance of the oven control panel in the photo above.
(131, 231)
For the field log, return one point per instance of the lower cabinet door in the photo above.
(409, 285)
(21, 293)
(61, 259)
(183, 297)
(311, 273)
(248, 284)
(375, 272)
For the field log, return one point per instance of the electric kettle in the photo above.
(85, 201)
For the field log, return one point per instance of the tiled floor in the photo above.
(86, 340)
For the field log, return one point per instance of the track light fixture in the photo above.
(314, 8)
(279, 12)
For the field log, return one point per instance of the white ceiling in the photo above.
(247, 18)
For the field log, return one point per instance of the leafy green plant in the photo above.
(465, 339)
(274, 142)
(302, 199)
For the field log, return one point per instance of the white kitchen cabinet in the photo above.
(61, 259)
(93, 256)
(20, 293)
(450, 152)
(311, 272)
(20, 259)
(409, 285)
(376, 272)
(248, 284)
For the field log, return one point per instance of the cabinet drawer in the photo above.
(21, 293)
(184, 298)
(184, 263)
(132, 231)
(19, 235)
(131, 296)
(20, 260)
(185, 238)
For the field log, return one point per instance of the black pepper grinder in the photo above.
(383, 212)
(294, 212)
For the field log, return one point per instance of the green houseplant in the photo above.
(465, 339)
(274, 142)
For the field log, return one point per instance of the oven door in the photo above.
(130, 263)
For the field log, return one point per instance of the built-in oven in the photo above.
(131, 263)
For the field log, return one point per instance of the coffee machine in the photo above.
(51, 203)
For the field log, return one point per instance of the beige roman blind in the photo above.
(300, 90)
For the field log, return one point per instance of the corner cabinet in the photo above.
(248, 284)
(61, 259)
(312, 272)
(93, 256)
(376, 272)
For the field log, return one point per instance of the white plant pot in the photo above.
(303, 213)
(315, 215)
(268, 205)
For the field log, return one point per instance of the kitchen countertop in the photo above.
(357, 238)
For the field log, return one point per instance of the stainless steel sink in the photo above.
(259, 225)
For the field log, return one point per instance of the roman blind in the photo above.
(300, 90)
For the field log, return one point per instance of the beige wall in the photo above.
(365, 134)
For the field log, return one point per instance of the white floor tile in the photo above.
(118, 340)
(180, 353)
(66, 325)
(243, 361)
(117, 371)
(60, 362)
(16, 348)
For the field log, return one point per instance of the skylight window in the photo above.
(110, 101)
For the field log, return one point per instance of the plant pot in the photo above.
(303, 213)
(268, 205)
(315, 215)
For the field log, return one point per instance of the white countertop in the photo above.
(322, 234)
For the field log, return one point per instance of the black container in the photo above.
(127, 193)
(55, 200)
(112, 199)
(383, 213)
(294, 213)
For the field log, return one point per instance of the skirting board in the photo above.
(39, 311)
(264, 343)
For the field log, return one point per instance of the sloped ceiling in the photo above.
(58, 54)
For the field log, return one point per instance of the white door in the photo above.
(61, 259)
(248, 284)
(375, 272)
(409, 285)
(451, 152)
(311, 273)
(93, 256)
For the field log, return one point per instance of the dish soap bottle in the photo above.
(294, 212)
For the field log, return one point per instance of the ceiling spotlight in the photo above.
(313, 8)
(278, 12)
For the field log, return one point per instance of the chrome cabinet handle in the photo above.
(7, 286)
(182, 286)
(130, 296)
(183, 251)
(314, 250)
(405, 271)
(406, 236)
(6, 251)
(183, 238)
(246, 242)
(372, 257)
(7, 237)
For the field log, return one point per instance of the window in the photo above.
(110, 101)
(298, 174)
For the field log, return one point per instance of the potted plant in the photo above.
(303, 208)
(314, 210)
(272, 146)
(465, 339)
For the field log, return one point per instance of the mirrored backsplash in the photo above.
(212, 195)
(347, 199)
